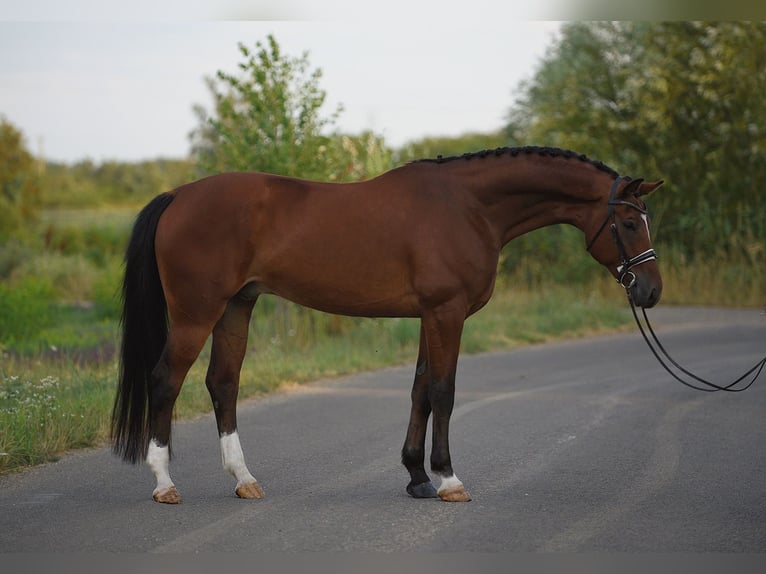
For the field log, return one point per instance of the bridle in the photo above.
(655, 346)
(626, 263)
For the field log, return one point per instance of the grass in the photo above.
(52, 403)
(58, 325)
(43, 416)
(715, 280)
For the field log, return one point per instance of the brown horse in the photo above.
(421, 240)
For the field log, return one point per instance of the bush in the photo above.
(13, 254)
(106, 290)
(25, 309)
(71, 277)
(97, 243)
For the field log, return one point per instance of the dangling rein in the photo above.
(662, 356)
(654, 344)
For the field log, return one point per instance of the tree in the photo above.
(449, 146)
(19, 181)
(684, 101)
(356, 157)
(267, 117)
(89, 184)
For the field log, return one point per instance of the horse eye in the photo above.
(629, 224)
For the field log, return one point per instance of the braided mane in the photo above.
(516, 151)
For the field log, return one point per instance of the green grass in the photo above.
(43, 416)
(52, 403)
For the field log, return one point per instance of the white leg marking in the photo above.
(448, 482)
(158, 459)
(233, 459)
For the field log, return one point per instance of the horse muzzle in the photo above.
(642, 289)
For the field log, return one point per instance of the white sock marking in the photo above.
(158, 459)
(233, 459)
(448, 482)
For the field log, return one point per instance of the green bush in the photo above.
(71, 277)
(97, 243)
(106, 290)
(13, 253)
(25, 309)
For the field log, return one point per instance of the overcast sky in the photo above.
(117, 79)
(117, 86)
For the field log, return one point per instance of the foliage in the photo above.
(430, 147)
(19, 181)
(70, 277)
(99, 243)
(25, 309)
(12, 254)
(89, 184)
(267, 117)
(353, 158)
(682, 101)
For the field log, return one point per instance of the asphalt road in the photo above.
(582, 446)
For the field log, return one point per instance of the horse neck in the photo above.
(528, 192)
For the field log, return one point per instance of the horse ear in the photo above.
(648, 187)
(631, 188)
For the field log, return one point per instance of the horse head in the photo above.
(626, 250)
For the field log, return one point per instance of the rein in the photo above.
(659, 351)
(654, 344)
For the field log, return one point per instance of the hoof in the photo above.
(422, 490)
(168, 496)
(455, 494)
(250, 490)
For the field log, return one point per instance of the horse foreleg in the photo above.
(228, 352)
(443, 329)
(413, 452)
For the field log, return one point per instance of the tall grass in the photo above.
(42, 416)
(718, 277)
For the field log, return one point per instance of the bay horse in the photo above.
(422, 240)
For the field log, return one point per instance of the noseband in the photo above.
(626, 263)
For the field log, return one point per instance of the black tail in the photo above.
(144, 333)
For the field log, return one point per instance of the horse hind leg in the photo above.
(222, 381)
(182, 348)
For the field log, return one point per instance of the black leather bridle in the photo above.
(626, 263)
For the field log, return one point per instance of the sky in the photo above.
(117, 85)
(117, 80)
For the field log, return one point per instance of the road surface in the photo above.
(579, 446)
